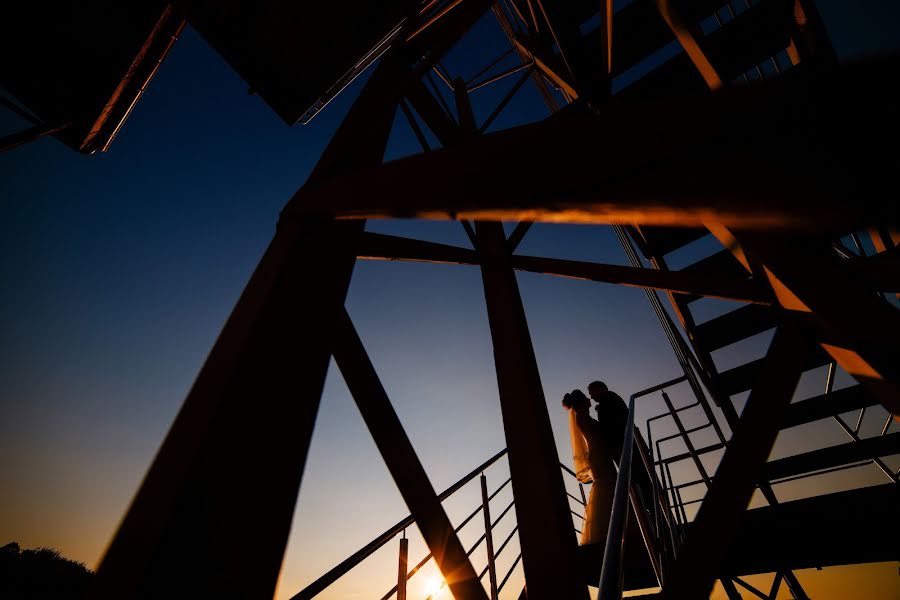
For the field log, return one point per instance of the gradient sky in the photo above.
(117, 271)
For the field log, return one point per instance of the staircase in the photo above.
(802, 533)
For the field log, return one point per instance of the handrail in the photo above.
(611, 572)
(659, 386)
(427, 557)
(357, 557)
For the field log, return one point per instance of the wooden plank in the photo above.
(744, 377)
(659, 241)
(734, 326)
(827, 405)
(720, 264)
(806, 534)
(833, 456)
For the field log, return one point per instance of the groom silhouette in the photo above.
(612, 414)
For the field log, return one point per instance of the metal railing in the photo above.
(404, 574)
(611, 574)
(317, 586)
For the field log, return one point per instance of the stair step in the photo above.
(857, 526)
(762, 31)
(742, 378)
(834, 456)
(659, 241)
(722, 263)
(827, 405)
(734, 326)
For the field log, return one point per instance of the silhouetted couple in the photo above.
(596, 449)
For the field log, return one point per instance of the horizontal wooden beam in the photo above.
(801, 148)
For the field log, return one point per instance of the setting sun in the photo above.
(434, 586)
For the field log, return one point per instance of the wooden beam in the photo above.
(827, 405)
(439, 122)
(199, 522)
(655, 165)
(402, 462)
(852, 324)
(833, 456)
(699, 563)
(726, 288)
(546, 533)
(689, 44)
(515, 238)
(378, 246)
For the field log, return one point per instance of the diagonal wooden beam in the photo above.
(199, 523)
(855, 326)
(515, 238)
(548, 64)
(401, 460)
(682, 33)
(441, 125)
(588, 71)
(699, 563)
(742, 290)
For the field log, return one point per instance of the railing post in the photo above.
(611, 574)
(488, 536)
(402, 569)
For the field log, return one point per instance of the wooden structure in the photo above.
(780, 168)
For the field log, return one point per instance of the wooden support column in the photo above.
(212, 516)
(546, 533)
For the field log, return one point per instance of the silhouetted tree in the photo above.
(41, 574)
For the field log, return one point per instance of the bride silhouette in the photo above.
(593, 463)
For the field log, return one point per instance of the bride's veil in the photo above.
(579, 451)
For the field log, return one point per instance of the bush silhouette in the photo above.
(41, 574)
